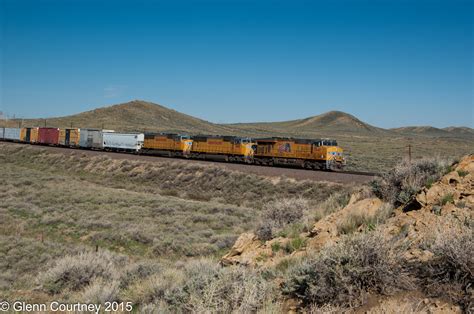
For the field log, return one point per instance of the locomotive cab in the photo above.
(331, 152)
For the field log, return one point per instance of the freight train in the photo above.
(323, 154)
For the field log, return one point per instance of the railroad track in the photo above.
(345, 177)
(362, 173)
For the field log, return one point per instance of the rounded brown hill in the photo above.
(135, 115)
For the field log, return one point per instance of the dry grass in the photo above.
(56, 209)
(157, 245)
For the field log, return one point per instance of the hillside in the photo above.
(367, 147)
(135, 115)
(326, 124)
(435, 132)
(408, 245)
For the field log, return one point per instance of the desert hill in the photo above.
(367, 147)
(325, 124)
(435, 132)
(135, 115)
(139, 115)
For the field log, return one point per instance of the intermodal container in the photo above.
(123, 141)
(2, 132)
(12, 134)
(48, 136)
(91, 138)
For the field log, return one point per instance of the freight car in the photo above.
(167, 144)
(29, 135)
(12, 134)
(228, 148)
(48, 136)
(132, 142)
(322, 154)
(310, 154)
(69, 137)
(91, 138)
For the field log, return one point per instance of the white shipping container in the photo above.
(12, 134)
(91, 138)
(123, 141)
(2, 132)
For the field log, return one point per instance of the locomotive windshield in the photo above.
(326, 143)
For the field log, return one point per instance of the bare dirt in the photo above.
(297, 174)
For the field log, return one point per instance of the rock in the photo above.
(451, 178)
(244, 251)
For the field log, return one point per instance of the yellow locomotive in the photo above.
(228, 148)
(167, 144)
(306, 153)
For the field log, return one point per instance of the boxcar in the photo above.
(29, 135)
(48, 136)
(69, 137)
(12, 134)
(167, 144)
(229, 148)
(307, 153)
(123, 141)
(91, 138)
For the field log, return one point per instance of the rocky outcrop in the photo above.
(325, 231)
(447, 203)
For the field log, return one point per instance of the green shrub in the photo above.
(295, 244)
(450, 272)
(447, 198)
(462, 173)
(276, 247)
(74, 272)
(208, 287)
(400, 184)
(341, 274)
(277, 215)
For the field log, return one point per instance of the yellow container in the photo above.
(69, 137)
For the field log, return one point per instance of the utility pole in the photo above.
(409, 153)
(44, 122)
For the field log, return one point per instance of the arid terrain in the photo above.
(177, 237)
(368, 148)
(174, 235)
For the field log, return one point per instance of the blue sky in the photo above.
(390, 63)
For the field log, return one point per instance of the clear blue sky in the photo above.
(390, 63)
